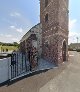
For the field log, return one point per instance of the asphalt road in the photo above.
(65, 78)
(68, 80)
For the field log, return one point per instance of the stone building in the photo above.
(51, 35)
(32, 38)
(54, 19)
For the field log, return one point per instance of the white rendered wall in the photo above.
(4, 69)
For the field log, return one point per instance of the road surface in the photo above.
(65, 78)
(68, 80)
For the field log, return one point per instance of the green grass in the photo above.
(10, 48)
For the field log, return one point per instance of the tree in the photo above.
(15, 44)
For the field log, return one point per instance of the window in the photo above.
(46, 3)
(46, 17)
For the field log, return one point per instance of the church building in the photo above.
(54, 18)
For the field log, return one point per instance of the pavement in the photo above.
(68, 80)
(65, 78)
(43, 64)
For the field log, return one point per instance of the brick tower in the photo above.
(54, 19)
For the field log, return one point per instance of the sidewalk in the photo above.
(43, 64)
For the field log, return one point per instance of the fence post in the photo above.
(11, 66)
(17, 63)
(22, 61)
(25, 63)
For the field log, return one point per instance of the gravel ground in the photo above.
(65, 78)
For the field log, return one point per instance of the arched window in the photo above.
(46, 3)
(46, 17)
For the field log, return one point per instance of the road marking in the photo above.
(71, 55)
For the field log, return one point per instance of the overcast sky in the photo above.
(18, 16)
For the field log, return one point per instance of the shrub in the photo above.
(78, 50)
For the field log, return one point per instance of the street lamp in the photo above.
(77, 39)
(77, 42)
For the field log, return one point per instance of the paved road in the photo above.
(68, 80)
(65, 78)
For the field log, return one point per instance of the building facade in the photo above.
(50, 36)
(32, 38)
(54, 18)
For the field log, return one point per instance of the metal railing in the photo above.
(19, 64)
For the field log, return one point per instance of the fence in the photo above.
(15, 66)
(19, 65)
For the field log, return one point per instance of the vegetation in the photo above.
(74, 47)
(78, 50)
(70, 49)
(9, 44)
(5, 47)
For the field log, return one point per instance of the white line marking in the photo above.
(71, 55)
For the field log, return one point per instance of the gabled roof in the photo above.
(29, 32)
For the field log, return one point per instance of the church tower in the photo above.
(54, 18)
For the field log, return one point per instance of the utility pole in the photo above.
(77, 41)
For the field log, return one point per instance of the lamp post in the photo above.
(77, 39)
(77, 42)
